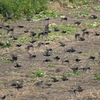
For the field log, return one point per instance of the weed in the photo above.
(69, 74)
(62, 86)
(78, 73)
(86, 54)
(39, 74)
(97, 76)
(32, 69)
(6, 60)
(51, 65)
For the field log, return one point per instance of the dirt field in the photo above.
(64, 73)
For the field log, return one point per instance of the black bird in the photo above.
(14, 57)
(62, 44)
(47, 60)
(85, 32)
(33, 40)
(45, 33)
(28, 47)
(71, 50)
(81, 39)
(56, 29)
(65, 18)
(96, 34)
(18, 45)
(92, 57)
(79, 89)
(75, 70)
(16, 37)
(73, 92)
(3, 97)
(64, 78)
(13, 84)
(77, 59)
(27, 30)
(10, 29)
(47, 43)
(19, 85)
(48, 84)
(17, 65)
(57, 70)
(1, 44)
(77, 36)
(9, 16)
(39, 44)
(78, 22)
(8, 43)
(35, 12)
(32, 56)
(65, 60)
(63, 31)
(28, 18)
(56, 58)
(20, 26)
(85, 69)
(39, 84)
(48, 52)
(32, 34)
(54, 79)
(84, 29)
(93, 17)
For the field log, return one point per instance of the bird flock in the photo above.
(67, 49)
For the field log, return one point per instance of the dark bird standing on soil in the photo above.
(8, 43)
(93, 17)
(54, 79)
(28, 47)
(81, 39)
(17, 65)
(56, 29)
(16, 37)
(39, 44)
(56, 58)
(77, 59)
(77, 22)
(73, 92)
(62, 44)
(32, 56)
(65, 60)
(3, 97)
(28, 18)
(48, 84)
(48, 52)
(64, 78)
(14, 57)
(39, 84)
(96, 34)
(77, 36)
(92, 57)
(63, 31)
(32, 34)
(79, 89)
(47, 60)
(85, 69)
(85, 33)
(75, 70)
(71, 50)
(33, 40)
(19, 85)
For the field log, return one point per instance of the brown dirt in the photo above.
(58, 90)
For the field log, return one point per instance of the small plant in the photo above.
(32, 69)
(62, 86)
(51, 65)
(78, 73)
(69, 74)
(97, 76)
(86, 54)
(39, 74)
(6, 60)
